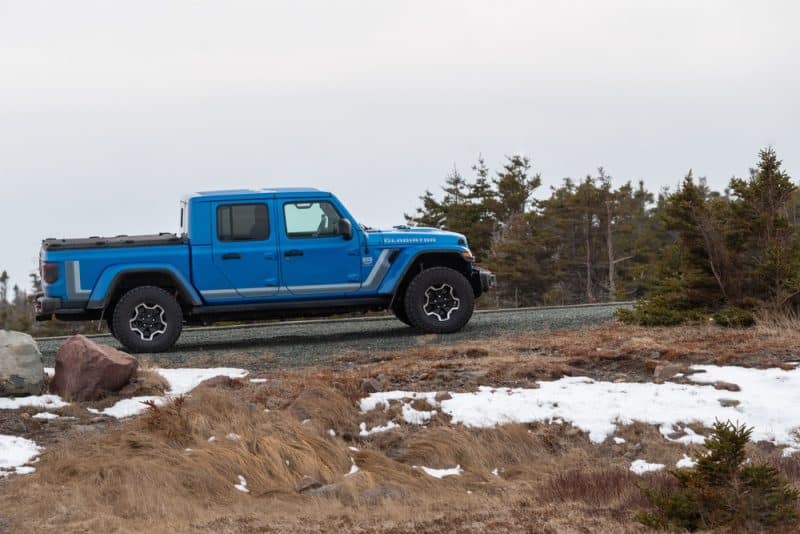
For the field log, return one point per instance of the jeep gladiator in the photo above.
(256, 254)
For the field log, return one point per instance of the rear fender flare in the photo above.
(107, 283)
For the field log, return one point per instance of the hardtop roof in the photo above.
(272, 192)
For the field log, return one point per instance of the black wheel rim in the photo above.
(148, 321)
(441, 302)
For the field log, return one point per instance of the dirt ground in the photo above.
(296, 439)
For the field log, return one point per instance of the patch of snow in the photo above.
(496, 472)
(181, 382)
(597, 407)
(685, 463)
(34, 401)
(789, 451)
(618, 440)
(441, 473)
(257, 380)
(242, 485)
(233, 437)
(383, 397)
(129, 407)
(690, 437)
(353, 468)
(413, 416)
(24, 470)
(641, 467)
(212, 439)
(388, 426)
(331, 432)
(15, 452)
(45, 415)
(354, 449)
(50, 371)
(306, 421)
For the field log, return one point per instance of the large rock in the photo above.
(87, 371)
(21, 371)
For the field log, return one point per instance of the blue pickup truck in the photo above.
(256, 254)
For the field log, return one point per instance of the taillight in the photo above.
(50, 273)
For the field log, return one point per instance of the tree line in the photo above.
(688, 254)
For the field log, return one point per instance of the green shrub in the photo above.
(658, 312)
(734, 317)
(722, 491)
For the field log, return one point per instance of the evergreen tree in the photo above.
(722, 490)
(3, 288)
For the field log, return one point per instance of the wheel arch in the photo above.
(427, 259)
(120, 281)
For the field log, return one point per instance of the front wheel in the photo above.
(439, 300)
(399, 310)
(147, 319)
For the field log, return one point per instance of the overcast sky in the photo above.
(111, 111)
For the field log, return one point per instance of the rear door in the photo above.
(245, 248)
(315, 258)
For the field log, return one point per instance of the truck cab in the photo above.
(256, 254)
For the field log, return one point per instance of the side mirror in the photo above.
(345, 229)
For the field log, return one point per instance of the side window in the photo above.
(242, 222)
(311, 219)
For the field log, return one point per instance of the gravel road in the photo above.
(298, 343)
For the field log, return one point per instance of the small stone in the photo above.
(327, 489)
(443, 396)
(222, 381)
(667, 371)
(728, 403)
(376, 495)
(307, 483)
(370, 385)
(726, 386)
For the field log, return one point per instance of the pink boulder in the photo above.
(87, 371)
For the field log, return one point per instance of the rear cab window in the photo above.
(243, 222)
(311, 219)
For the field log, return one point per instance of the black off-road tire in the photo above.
(399, 311)
(156, 314)
(451, 288)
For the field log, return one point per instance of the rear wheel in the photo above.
(147, 319)
(439, 300)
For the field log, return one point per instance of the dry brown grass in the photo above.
(139, 475)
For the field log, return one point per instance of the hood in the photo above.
(407, 236)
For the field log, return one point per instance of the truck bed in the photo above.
(119, 241)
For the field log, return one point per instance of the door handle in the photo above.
(294, 252)
(231, 256)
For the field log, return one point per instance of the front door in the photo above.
(245, 248)
(315, 258)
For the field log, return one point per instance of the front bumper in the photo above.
(482, 280)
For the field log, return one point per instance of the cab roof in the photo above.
(272, 192)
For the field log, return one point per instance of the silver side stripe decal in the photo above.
(376, 276)
(378, 272)
(74, 289)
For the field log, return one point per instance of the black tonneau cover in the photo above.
(114, 242)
